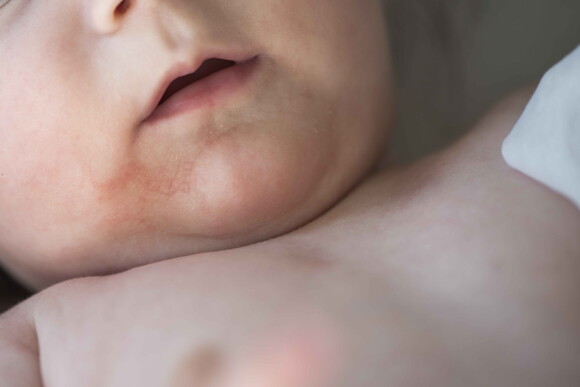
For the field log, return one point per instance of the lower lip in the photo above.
(207, 92)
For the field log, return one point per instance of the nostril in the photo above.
(122, 7)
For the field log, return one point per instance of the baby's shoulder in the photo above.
(489, 132)
(474, 175)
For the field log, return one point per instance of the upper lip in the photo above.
(183, 68)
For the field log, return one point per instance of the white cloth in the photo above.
(545, 143)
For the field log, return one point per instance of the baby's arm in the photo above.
(285, 359)
(264, 320)
(19, 365)
(241, 322)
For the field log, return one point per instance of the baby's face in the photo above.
(95, 179)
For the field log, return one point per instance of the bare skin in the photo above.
(90, 184)
(454, 271)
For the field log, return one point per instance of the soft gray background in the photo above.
(448, 77)
(453, 59)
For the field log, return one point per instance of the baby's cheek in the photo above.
(260, 179)
(227, 188)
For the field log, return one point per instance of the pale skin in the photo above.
(453, 271)
(106, 190)
(475, 285)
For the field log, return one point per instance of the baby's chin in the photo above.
(243, 190)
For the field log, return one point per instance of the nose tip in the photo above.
(108, 15)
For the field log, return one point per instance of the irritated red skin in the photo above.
(236, 189)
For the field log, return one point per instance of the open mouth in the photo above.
(205, 88)
(209, 67)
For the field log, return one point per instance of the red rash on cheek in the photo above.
(163, 181)
(154, 193)
(133, 194)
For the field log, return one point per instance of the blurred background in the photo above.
(453, 60)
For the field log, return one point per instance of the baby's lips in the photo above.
(189, 65)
